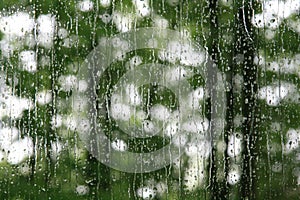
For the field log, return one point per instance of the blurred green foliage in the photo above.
(58, 179)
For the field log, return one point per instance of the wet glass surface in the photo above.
(149, 99)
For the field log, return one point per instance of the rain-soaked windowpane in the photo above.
(149, 99)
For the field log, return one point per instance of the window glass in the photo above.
(149, 99)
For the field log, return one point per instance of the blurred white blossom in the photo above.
(46, 29)
(85, 5)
